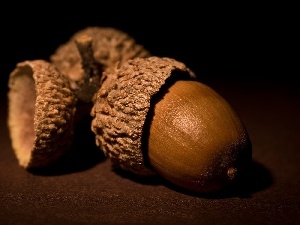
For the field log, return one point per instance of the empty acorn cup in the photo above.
(41, 109)
(91, 51)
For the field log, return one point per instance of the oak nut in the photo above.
(41, 109)
(152, 116)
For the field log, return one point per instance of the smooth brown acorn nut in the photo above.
(152, 116)
(41, 108)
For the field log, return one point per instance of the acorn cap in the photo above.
(121, 106)
(109, 46)
(41, 110)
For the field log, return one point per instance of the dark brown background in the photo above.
(243, 52)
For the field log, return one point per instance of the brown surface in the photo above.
(85, 189)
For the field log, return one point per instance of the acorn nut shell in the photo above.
(41, 108)
(196, 140)
(152, 116)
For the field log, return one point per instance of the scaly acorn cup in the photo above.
(41, 109)
(91, 51)
(152, 116)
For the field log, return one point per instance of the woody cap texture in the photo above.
(41, 108)
(91, 51)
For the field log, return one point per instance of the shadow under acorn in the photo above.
(258, 178)
(83, 155)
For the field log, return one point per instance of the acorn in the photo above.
(41, 109)
(152, 116)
